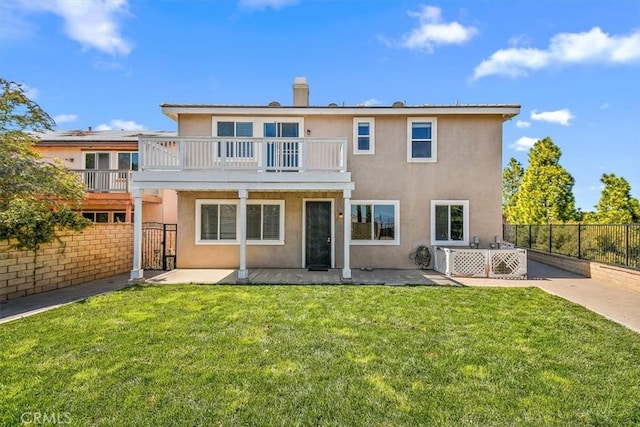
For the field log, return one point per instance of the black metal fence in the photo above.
(610, 244)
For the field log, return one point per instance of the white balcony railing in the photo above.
(105, 181)
(245, 154)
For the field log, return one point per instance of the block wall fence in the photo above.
(99, 251)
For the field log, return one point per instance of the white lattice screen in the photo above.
(469, 263)
(500, 263)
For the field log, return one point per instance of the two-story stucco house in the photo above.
(315, 187)
(104, 161)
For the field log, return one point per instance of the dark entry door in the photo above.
(318, 235)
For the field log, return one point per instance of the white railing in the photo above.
(105, 181)
(495, 263)
(246, 154)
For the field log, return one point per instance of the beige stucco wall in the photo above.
(289, 255)
(195, 125)
(468, 167)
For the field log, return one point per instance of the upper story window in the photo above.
(421, 139)
(235, 129)
(375, 222)
(450, 222)
(363, 135)
(128, 161)
(282, 130)
(100, 161)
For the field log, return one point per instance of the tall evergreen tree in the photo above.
(616, 205)
(511, 181)
(546, 193)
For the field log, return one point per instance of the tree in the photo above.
(546, 192)
(511, 181)
(616, 205)
(36, 198)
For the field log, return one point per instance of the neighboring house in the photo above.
(325, 187)
(104, 161)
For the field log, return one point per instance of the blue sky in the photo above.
(574, 66)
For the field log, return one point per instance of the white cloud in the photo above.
(263, 4)
(605, 105)
(593, 46)
(94, 24)
(522, 124)
(433, 31)
(65, 118)
(370, 102)
(30, 92)
(524, 143)
(118, 124)
(561, 117)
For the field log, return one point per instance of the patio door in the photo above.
(282, 154)
(97, 175)
(318, 242)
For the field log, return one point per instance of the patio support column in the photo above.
(243, 274)
(137, 273)
(346, 218)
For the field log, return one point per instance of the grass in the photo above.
(320, 355)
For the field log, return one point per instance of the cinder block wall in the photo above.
(99, 251)
(623, 277)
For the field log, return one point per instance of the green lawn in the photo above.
(320, 355)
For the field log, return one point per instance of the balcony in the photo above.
(108, 181)
(105, 181)
(243, 154)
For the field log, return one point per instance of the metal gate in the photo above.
(159, 246)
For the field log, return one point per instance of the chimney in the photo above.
(300, 92)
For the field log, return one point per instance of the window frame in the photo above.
(396, 225)
(130, 154)
(371, 121)
(258, 124)
(95, 214)
(97, 161)
(434, 140)
(262, 241)
(236, 241)
(465, 227)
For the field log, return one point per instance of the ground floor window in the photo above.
(450, 222)
(217, 221)
(96, 216)
(264, 221)
(375, 222)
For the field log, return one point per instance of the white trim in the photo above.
(372, 135)
(396, 225)
(465, 231)
(84, 159)
(130, 153)
(304, 230)
(261, 242)
(434, 139)
(198, 205)
(200, 202)
(506, 111)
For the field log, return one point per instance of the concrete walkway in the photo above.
(619, 304)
